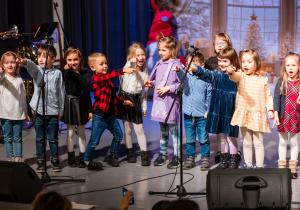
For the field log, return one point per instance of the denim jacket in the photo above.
(196, 95)
(54, 89)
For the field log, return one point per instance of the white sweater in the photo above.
(13, 105)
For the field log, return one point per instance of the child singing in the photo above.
(133, 89)
(166, 83)
(252, 99)
(78, 104)
(13, 105)
(287, 113)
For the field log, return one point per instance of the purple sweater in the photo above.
(162, 104)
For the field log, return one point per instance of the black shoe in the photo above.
(94, 166)
(217, 157)
(145, 158)
(55, 165)
(81, 163)
(224, 163)
(112, 161)
(71, 160)
(40, 166)
(131, 156)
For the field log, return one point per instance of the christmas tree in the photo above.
(253, 39)
(286, 46)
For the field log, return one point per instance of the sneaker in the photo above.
(94, 166)
(11, 159)
(233, 161)
(175, 162)
(223, 161)
(55, 165)
(204, 163)
(218, 157)
(40, 166)
(145, 158)
(247, 166)
(161, 160)
(131, 156)
(112, 161)
(19, 160)
(189, 163)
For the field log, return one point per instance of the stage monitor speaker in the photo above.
(249, 189)
(18, 182)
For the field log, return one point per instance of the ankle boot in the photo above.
(293, 167)
(233, 161)
(131, 156)
(223, 161)
(71, 159)
(145, 158)
(281, 163)
(81, 163)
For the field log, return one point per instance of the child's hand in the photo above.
(1, 70)
(176, 68)
(298, 99)
(67, 66)
(90, 116)
(192, 69)
(271, 115)
(127, 103)
(144, 113)
(205, 115)
(126, 200)
(21, 61)
(231, 69)
(162, 90)
(59, 117)
(149, 83)
(27, 118)
(276, 121)
(129, 70)
(133, 60)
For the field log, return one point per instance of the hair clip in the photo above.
(296, 53)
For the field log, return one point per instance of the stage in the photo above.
(104, 188)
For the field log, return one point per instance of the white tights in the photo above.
(141, 138)
(71, 137)
(283, 141)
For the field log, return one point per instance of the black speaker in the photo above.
(249, 189)
(18, 182)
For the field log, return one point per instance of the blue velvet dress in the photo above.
(222, 104)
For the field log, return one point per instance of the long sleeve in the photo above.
(205, 74)
(1, 76)
(32, 69)
(103, 78)
(269, 99)
(236, 77)
(277, 97)
(208, 96)
(144, 98)
(180, 75)
(61, 95)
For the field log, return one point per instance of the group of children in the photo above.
(219, 96)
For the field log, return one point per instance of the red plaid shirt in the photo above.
(103, 88)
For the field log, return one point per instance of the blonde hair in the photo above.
(51, 200)
(8, 54)
(170, 43)
(284, 75)
(44, 48)
(132, 49)
(224, 37)
(254, 55)
(230, 53)
(74, 50)
(93, 57)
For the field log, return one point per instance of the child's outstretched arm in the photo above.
(203, 73)
(31, 67)
(233, 75)
(180, 73)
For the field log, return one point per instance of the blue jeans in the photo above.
(12, 132)
(99, 124)
(190, 132)
(164, 138)
(52, 136)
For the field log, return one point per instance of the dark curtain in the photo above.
(107, 26)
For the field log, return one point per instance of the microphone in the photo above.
(55, 4)
(195, 48)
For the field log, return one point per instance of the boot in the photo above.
(233, 161)
(145, 158)
(281, 163)
(40, 166)
(81, 163)
(71, 160)
(293, 167)
(223, 161)
(131, 156)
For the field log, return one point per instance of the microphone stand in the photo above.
(181, 192)
(63, 30)
(45, 176)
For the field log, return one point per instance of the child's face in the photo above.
(292, 68)
(195, 62)
(140, 56)
(223, 63)
(164, 52)
(73, 60)
(248, 64)
(100, 65)
(220, 44)
(42, 60)
(10, 65)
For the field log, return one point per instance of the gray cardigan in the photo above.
(279, 100)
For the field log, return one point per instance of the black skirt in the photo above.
(132, 114)
(75, 111)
